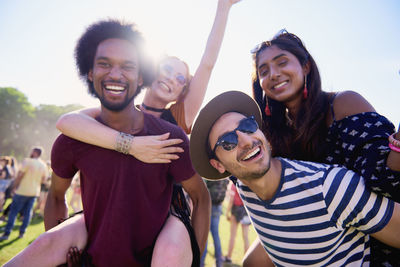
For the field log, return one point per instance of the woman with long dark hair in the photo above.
(304, 122)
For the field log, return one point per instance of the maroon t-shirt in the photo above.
(126, 201)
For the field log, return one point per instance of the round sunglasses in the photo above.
(168, 70)
(229, 140)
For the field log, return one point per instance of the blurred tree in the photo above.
(15, 114)
(44, 128)
(23, 126)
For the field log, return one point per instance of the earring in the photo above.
(305, 91)
(267, 111)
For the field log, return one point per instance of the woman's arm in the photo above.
(82, 126)
(199, 82)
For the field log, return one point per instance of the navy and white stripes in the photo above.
(320, 216)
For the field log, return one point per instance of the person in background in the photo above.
(217, 190)
(236, 214)
(12, 170)
(5, 179)
(44, 189)
(32, 173)
(76, 201)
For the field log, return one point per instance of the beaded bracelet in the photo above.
(124, 142)
(394, 141)
(394, 148)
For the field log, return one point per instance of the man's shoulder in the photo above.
(33, 162)
(61, 138)
(301, 165)
(65, 141)
(65, 147)
(334, 170)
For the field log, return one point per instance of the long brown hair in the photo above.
(304, 136)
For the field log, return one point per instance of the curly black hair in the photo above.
(87, 44)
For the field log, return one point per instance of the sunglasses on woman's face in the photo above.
(229, 140)
(168, 70)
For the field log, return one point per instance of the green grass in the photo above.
(224, 234)
(13, 245)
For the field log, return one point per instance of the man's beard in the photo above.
(254, 175)
(251, 174)
(115, 106)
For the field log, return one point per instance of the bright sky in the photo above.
(356, 43)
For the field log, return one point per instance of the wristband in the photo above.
(394, 148)
(124, 142)
(394, 141)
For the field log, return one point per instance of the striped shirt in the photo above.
(321, 215)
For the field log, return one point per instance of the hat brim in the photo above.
(231, 101)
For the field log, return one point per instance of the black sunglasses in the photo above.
(282, 34)
(229, 140)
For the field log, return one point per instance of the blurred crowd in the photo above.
(9, 171)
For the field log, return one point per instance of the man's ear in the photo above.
(90, 75)
(217, 165)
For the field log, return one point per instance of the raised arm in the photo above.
(82, 125)
(198, 84)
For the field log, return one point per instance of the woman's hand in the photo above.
(155, 148)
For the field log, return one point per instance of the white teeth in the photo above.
(114, 87)
(280, 85)
(252, 154)
(115, 92)
(165, 86)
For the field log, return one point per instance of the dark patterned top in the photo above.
(360, 142)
